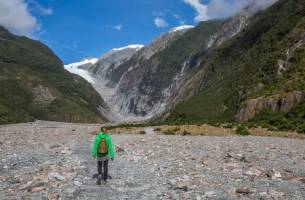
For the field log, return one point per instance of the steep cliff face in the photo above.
(276, 103)
(154, 82)
(122, 76)
(259, 69)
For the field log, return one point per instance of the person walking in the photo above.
(102, 151)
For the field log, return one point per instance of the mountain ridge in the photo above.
(34, 85)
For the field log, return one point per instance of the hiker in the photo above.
(102, 150)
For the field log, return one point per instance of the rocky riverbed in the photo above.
(48, 160)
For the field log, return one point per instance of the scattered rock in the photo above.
(32, 184)
(77, 183)
(55, 146)
(119, 149)
(254, 172)
(277, 175)
(210, 194)
(2, 178)
(182, 186)
(273, 174)
(243, 191)
(56, 176)
(275, 194)
(53, 196)
(71, 192)
(184, 167)
(37, 189)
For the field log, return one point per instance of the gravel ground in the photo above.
(48, 160)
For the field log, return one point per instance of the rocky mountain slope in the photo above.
(114, 69)
(47, 160)
(257, 75)
(34, 85)
(148, 83)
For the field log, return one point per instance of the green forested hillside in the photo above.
(34, 85)
(267, 58)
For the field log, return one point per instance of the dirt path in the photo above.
(47, 160)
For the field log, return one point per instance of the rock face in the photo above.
(103, 70)
(275, 103)
(153, 82)
(42, 96)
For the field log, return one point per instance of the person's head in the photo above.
(103, 130)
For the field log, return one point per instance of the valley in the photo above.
(212, 110)
(216, 72)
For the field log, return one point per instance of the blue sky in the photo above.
(83, 29)
(77, 29)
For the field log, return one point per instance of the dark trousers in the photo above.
(102, 164)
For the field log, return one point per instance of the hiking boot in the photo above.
(99, 180)
(95, 176)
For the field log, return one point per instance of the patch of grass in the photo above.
(170, 132)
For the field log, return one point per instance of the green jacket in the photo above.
(97, 140)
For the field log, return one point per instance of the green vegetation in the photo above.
(242, 130)
(293, 120)
(186, 133)
(26, 65)
(234, 72)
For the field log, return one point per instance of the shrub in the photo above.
(186, 133)
(242, 130)
(176, 129)
(228, 125)
(157, 129)
(170, 132)
(301, 128)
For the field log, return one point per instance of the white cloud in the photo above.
(118, 27)
(15, 16)
(224, 8)
(160, 22)
(201, 9)
(36, 7)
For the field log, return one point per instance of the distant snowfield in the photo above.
(74, 69)
(181, 28)
(132, 46)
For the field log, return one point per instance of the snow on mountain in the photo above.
(133, 46)
(74, 68)
(181, 28)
